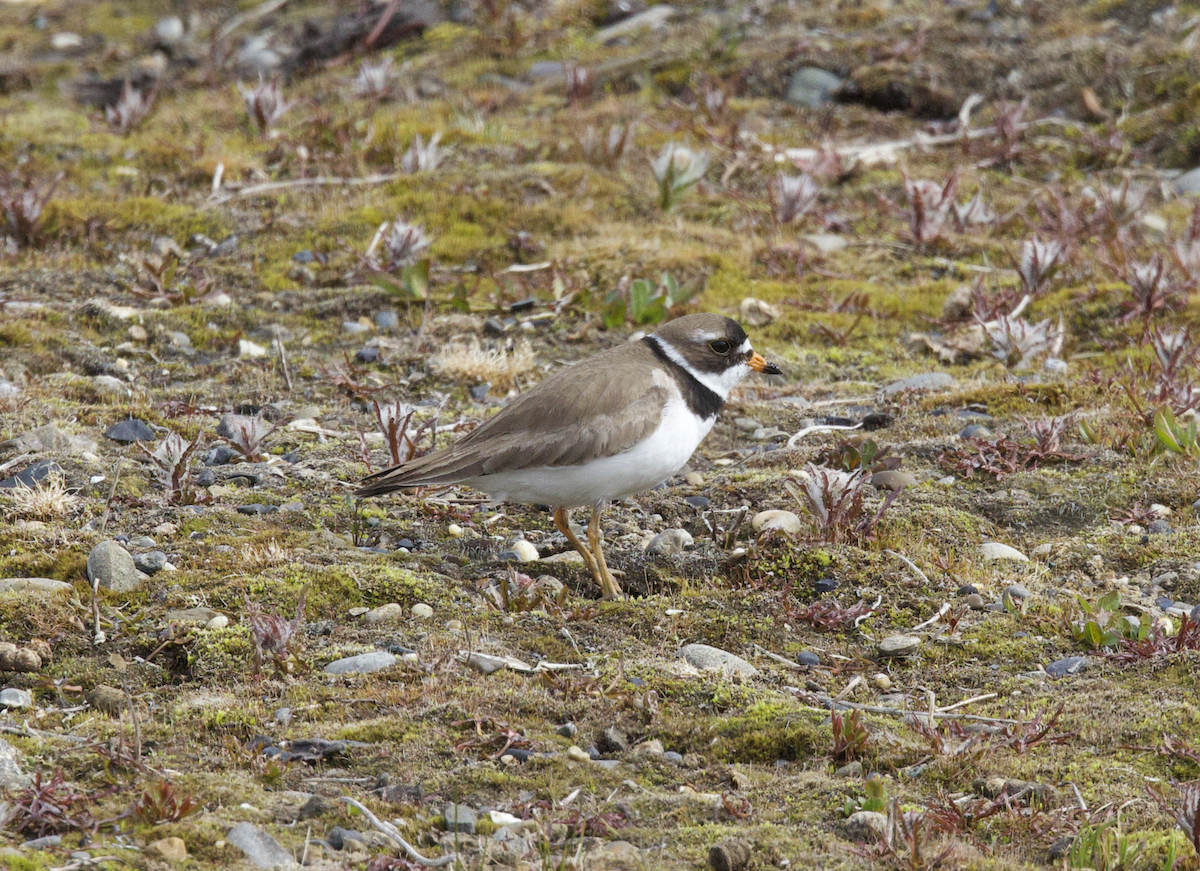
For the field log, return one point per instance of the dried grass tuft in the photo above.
(472, 362)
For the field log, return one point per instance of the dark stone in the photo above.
(256, 508)
(519, 754)
(291, 457)
(833, 420)
(406, 543)
(206, 478)
(338, 837)
(317, 806)
(369, 354)
(480, 391)
(493, 327)
(827, 585)
(218, 456)
(30, 475)
(386, 320)
(460, 818)
(673, 757)
(698, 501)
(967, 589)
(876, 420)
(130, 430)
(567, 730)
(613, 740)
(150, 563)
(618, 10)
(807, 657)
(523, 305)
(1069, 665)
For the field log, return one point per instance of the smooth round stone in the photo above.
(112, 566)
(865, 827)
(756, 312)
(142, 541)
(807, 657)
(1159, 527)
(975, 431)
(247, 348)
(578, 754)
(130, 430)
(925, 381)
(151, 562)
(826, 585)
(422, 611)
(369, 354)
(1069, 665)
(455, 531)
(994, 550)
(670, 542)
(567, 730)
(256, 509)
(525, 551)
(1055, 366)
(11, 697)
(899, 645)
(1018, 592)
(217, 623)
(811, 87)
(975, 602)
(698, 501)
(364, 663)
(26, 586)
(784, 521)
(388, 613)
(881, 681)
(893, 480)
(746, 424)
(673, 757)
(386, 320)
(354, 328)
(704, 657)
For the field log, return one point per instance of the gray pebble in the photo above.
(364, 663)
(567, 730)
(811, 87)
(386, 320)
(1067, 666)
(899, 645)
(142, 541)
(670, 542)
(1159, 527)
(865, 827)
(975, 431)
(260, 848)
(11, 697)
(925, 381)
(460, 818)
(704, 656)
(1018, 592)
(111, 566)
(151, 562)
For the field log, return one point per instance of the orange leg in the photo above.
(562, 519)
(608, 584)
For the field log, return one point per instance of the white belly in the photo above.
(646, 464)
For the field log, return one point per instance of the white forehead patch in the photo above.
(745, 348)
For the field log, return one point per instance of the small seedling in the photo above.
(1038, 263)
(677, 169)
(24, 202)
(850, 735)
(170, 461)
(422, 156)
(275, 637)
(131, 109)
(161, 803)
(792, 196)
(835, 501)
(930, 205)
(248, 436)
(374, 79)
(642, 302)
(264, 103)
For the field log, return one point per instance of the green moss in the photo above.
(74, 217)
(15, 334)
(769, 731)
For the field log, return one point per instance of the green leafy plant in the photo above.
(1100, 625)
(644, 303)
(1175, 437)
(875, 796)
(1104, 848)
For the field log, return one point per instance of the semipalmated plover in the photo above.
(615, 424)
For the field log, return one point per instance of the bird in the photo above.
(611, 426)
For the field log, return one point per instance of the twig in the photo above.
(6, 466)
(29, 732)
(970, 701)
(908, 563)
(137, 726)
(383, 23)
(287, 373)
(811, 430)
(316, 181)
(829, 702)
(782, 660)
(941, 612)
(394, 833)
(257, 12)
(111, 494)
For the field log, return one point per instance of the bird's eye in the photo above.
(721, 346)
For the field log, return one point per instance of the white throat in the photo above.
(719, 383)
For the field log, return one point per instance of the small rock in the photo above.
(899, 645)
(975, 602)
(171, 849)
(994, 550)
(784, 521)
(826, 243)
(807, 657)
(11, 697)
(181, 340)
(388, 613)
(1188, 183)
(1018, 592)
(31, 475)
(260, 848)
(108, 700)
(150, 563)
(130, 430)
(1055, 366)
(669, 542)
(698, 501)
(455, 531)
(1159, 527)
(613, 740)
(925, 381)
(386, 320)
(256, 509)
(975, 431)
(1043, 550)
(30, 586)
(369, 354)
(893, 480)
(653, 747)
(811, 87)
(730, 855)
(747, 424)
(653, 18)
(460, 818)
(364, 663)
(865, 827)
(704, 656)
(525, 550)
(850, 769)
(881, 681)
(756, 312)
(247, 348)
(826, 585)
(11, 776)
(422, 611)
(107, 385)
(578, 754)
(111, 566)
(217, 623)
(1066, 666)
(959, 304)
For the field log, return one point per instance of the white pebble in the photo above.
(455, 530)
(525, 551)
(218, 622)
(422, 611)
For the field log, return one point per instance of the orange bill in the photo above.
(759, 364)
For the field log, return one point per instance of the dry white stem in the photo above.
(394, 833)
